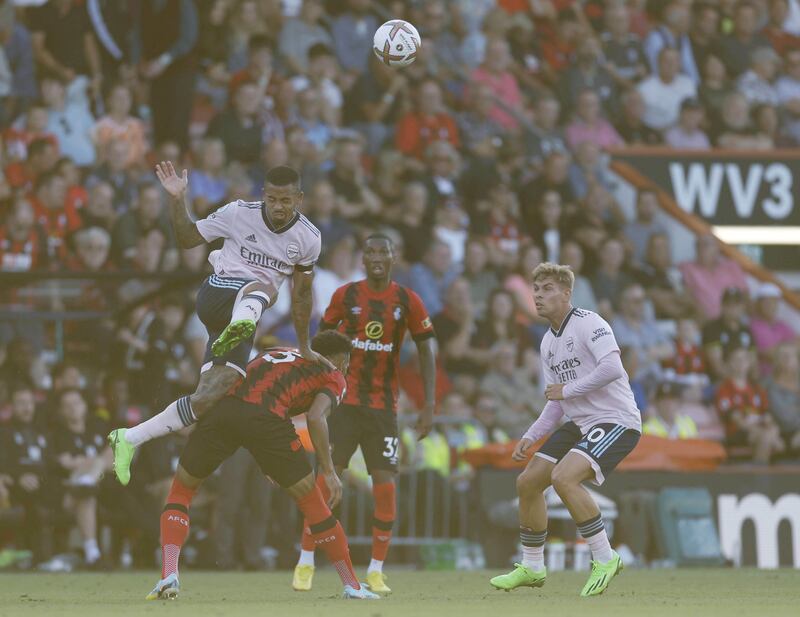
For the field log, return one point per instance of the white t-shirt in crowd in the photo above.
(253, 249)
(573, 352)
(663, 101)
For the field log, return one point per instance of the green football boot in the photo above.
(601, 575)
(123, 454)
(233, 334)
(520, 576)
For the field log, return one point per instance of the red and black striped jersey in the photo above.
(376, 323)
(285, 383)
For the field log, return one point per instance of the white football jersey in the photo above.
(253, 249)
(573, 352)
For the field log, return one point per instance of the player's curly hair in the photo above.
(330, 343)
(561, 274)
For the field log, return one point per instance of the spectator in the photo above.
(338, 268)
(25, 457)
(768, 330)
(239, 127)
(163, 37)
(736, 130)
(92, 250)
(737, 47)
(260, 71)
(117, 174)
(208, 185)
(588, 73)
(430, 122)
(443, 174)
(589, 125)
(622, 49)
(582, 294)
(81, 458)
(64, 44)
(703, 36)
(631, 125)
(728, 331)
(647, 223)
(590, 169)
(609, 279)
(148, 213)
(23, 245)
(664, 416)
(321, 75)
(788, 89)
(544, 224)
(783, 391)
(664, 91)
(356, 200)
(743, 408)
(455, 326)
(688, 359)
(781, 40)
(554, 176)
(41, 156)
(709, 275)
(18, 48)
(310, 119)
(433, 275)
(486, 413)
(57, 217)
(446, 56)
(476, 127)
(756, 84)
(671, 33)
(119, 124)
(69, 118)
(518, 282)
(495, 73)
(352, 37)
(662, 280)
(635, 330)
(548, 136)
(500, 324)
(99, 210)
(482, 279)
(687, 134)
(300, 34)
(715, 88)
(452, 225)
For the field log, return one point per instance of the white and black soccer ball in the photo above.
(396, 43)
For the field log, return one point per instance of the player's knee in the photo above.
(563, 480)
(257, 286)
(531, 483)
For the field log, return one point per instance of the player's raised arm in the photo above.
(302, 303)
(317, 422)
(182, 222)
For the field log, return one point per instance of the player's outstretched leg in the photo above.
(174, 531)
(304, 570)
(329, 535)
(212, 387)
(254, 300)
(383, 493)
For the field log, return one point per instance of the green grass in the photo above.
(640, 593)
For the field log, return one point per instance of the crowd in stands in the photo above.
(484, 158)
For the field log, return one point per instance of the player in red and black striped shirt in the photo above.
(375, 314)
(256, 415)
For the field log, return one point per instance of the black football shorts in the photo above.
(232, 424)
(604, 445)
(215, 301)
(375, 430)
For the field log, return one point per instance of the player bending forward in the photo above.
(263, 244)
(374, 314)
(257, 416)
(587, 384)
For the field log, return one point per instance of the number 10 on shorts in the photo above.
(390, 451)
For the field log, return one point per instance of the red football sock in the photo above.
(328, 534)
(383, 519)
(307, 542)
(174, 526)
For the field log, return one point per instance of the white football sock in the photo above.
(306, 558)
(91, 551)
(375, 565)
(533, 557)
(251, 305)
(600, 547)
(176, 416)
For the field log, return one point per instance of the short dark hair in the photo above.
(330, 343)
(318, 50)
(38, 145)
(379, 236)
(259, 41)
(282, 175)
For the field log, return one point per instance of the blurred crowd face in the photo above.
(323, 200)
(53, 193)
(309, 104)
(149, 250)
(101, 201)
(486, 408)
(646, 206)
(706, 23)
(633, 106)
(589, 106)
(617, 18)
(733, 310)
(736, 111)
(23, 406)
(443, 159)
(149, 204)
(476, 257)
(571, 254)
(556, 167)
(213, 155)
(72, 407)
(633, 299)
(669, 64)
(530, 258)
(714, 69)
(247, 101)
(21, 221)
(548, 111)
(707, 250)
(117, 154)
(612, 255)
(348, 156)
(786, 360)
(738, 364)
(498, 55)
(768, 308)
(778, 11)
(120, 101)
(93, 246)
(659, 252)
(458, 296)
(439, 259)
(501, 306)
(430, 98)
(676, 16)
(53, 93)
(745, 21)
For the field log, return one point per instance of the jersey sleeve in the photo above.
(598, 337)
(309, 258)
(334, 388)
(335, 311)
(218, 224)
(419, 322)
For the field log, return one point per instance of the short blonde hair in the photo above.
(561, 274)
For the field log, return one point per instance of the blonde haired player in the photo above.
(586, 383)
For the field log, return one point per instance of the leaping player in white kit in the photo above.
(264, 243)
(585, 382)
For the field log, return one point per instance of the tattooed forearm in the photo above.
(182, 222)
(302, 303)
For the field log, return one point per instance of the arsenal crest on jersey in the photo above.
(570, 344)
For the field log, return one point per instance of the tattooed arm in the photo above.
(184, 225)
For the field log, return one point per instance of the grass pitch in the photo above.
(640, 593)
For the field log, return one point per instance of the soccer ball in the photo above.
(396, 43)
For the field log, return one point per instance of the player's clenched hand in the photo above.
(554, 392)
(521, 450)
(424, 423)
(335, 488)
(174, 184)
(310, 354)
